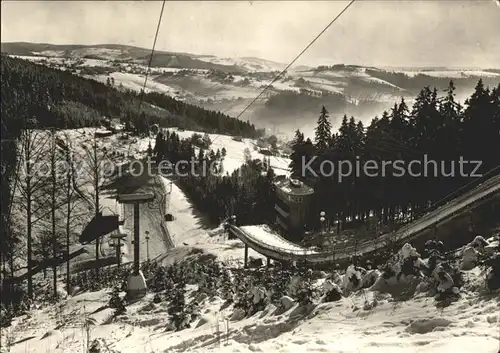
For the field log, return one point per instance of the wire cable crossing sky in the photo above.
(296, 58)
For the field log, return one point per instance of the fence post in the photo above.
(246, 256)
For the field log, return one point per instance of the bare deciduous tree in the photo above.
(56, 200)
(247, 155)
(43, 247)
(28, 184)
(95, 167)
(70, 196)
(53, 200)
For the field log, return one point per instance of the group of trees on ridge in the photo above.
(437, 127)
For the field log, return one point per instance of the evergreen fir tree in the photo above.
(177, 306)
(297, 154)
(323, 131)
(480, 133)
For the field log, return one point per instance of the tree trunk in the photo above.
(96, 185)
(2, 275)
(28, 222)
(68, 219)
(53, 206)
(68, 279)
(12, 272)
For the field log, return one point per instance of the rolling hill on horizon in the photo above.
(228, 85)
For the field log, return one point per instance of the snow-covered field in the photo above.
(135, 82)
(235, 156)
(250, 64)
(136, 147)
(450, 73)
(414, 326)
(49, 58)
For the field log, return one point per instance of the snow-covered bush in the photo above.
(7, 315)
(279, 284)
(180, 315)
(305, 292)
(226, 286)
(117, 303)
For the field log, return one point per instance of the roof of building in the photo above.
(294, 187)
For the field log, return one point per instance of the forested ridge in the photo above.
(436, 128)
(60, 99)
(247, 192)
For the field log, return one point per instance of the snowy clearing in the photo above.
(235, 156)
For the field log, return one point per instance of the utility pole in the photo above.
(136, 284)
(147, 244)
(118, 246)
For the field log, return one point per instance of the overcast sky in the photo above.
(371, 32)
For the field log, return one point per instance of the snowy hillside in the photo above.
(349, 325)
(446, 73)
(250, 64)
(230, 84)
(187, 228)
(363, 321)
(235, 156)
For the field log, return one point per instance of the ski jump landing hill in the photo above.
(278, 248)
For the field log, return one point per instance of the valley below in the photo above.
(229, 85)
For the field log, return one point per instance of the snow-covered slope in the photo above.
(446, 73)
(414, 326)
(189, 229)
(249, 64)
(345, 326)
(230, 84)
(235, 156)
